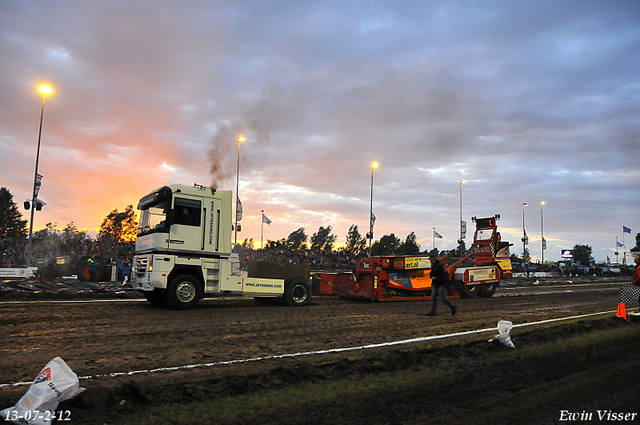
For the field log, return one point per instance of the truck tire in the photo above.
(157, 297)
(487, 290)
(297, 292)
(184, 292)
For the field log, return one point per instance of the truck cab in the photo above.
(183, 251)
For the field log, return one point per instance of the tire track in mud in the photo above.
(99, 338)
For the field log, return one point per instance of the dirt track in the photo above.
(117, 336)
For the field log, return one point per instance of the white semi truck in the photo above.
(183, 252)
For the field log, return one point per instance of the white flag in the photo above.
(238, 209)
(437, 235)
(39, 183)
(266, 219)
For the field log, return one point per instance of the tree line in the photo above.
(117, 233)
(115, 239)
(324, 241)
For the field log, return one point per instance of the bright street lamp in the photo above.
(240, 139)
(44, 90)
(372, 218)
(461, 222)
(544, 243)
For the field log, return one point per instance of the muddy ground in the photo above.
(103, 341)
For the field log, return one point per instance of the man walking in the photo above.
(439, 287)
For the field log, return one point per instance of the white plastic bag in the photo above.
(56, 382)
(504, 337)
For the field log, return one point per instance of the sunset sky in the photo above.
(526, 101)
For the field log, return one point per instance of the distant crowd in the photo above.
(14, 253)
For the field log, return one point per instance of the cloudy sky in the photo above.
(526, 101)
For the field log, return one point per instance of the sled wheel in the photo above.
(469, 291)
(297, 292)
(184, 292)
(487, 290)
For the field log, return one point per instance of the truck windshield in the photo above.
(154, 219)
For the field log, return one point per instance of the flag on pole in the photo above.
(618, 244)
(39, 183)
(625, 229)
(238, 209)
(266, 219)
(437, 235)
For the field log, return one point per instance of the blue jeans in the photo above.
(439, 291)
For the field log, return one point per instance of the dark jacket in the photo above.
(438, 275)
(92, 266)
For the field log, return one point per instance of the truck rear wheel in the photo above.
(157, 297)
(487, 290)
(297, 292)
(184, 292)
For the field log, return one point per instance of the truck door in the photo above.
(186, 233)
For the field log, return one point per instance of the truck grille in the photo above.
(141, 264)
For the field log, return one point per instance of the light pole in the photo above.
(374, 165)
(525, 240)
(44, 90)
(240, 139)
(461, 222)
(544, 243)
(261, 229)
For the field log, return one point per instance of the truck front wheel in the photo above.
(184, 292)
(297, 292)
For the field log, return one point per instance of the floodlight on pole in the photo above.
(44, 90)
(544, 243)
(374, 165)
(461, 222)
(525, 239)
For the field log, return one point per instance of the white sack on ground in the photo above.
(55, 383)
(504, 337)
